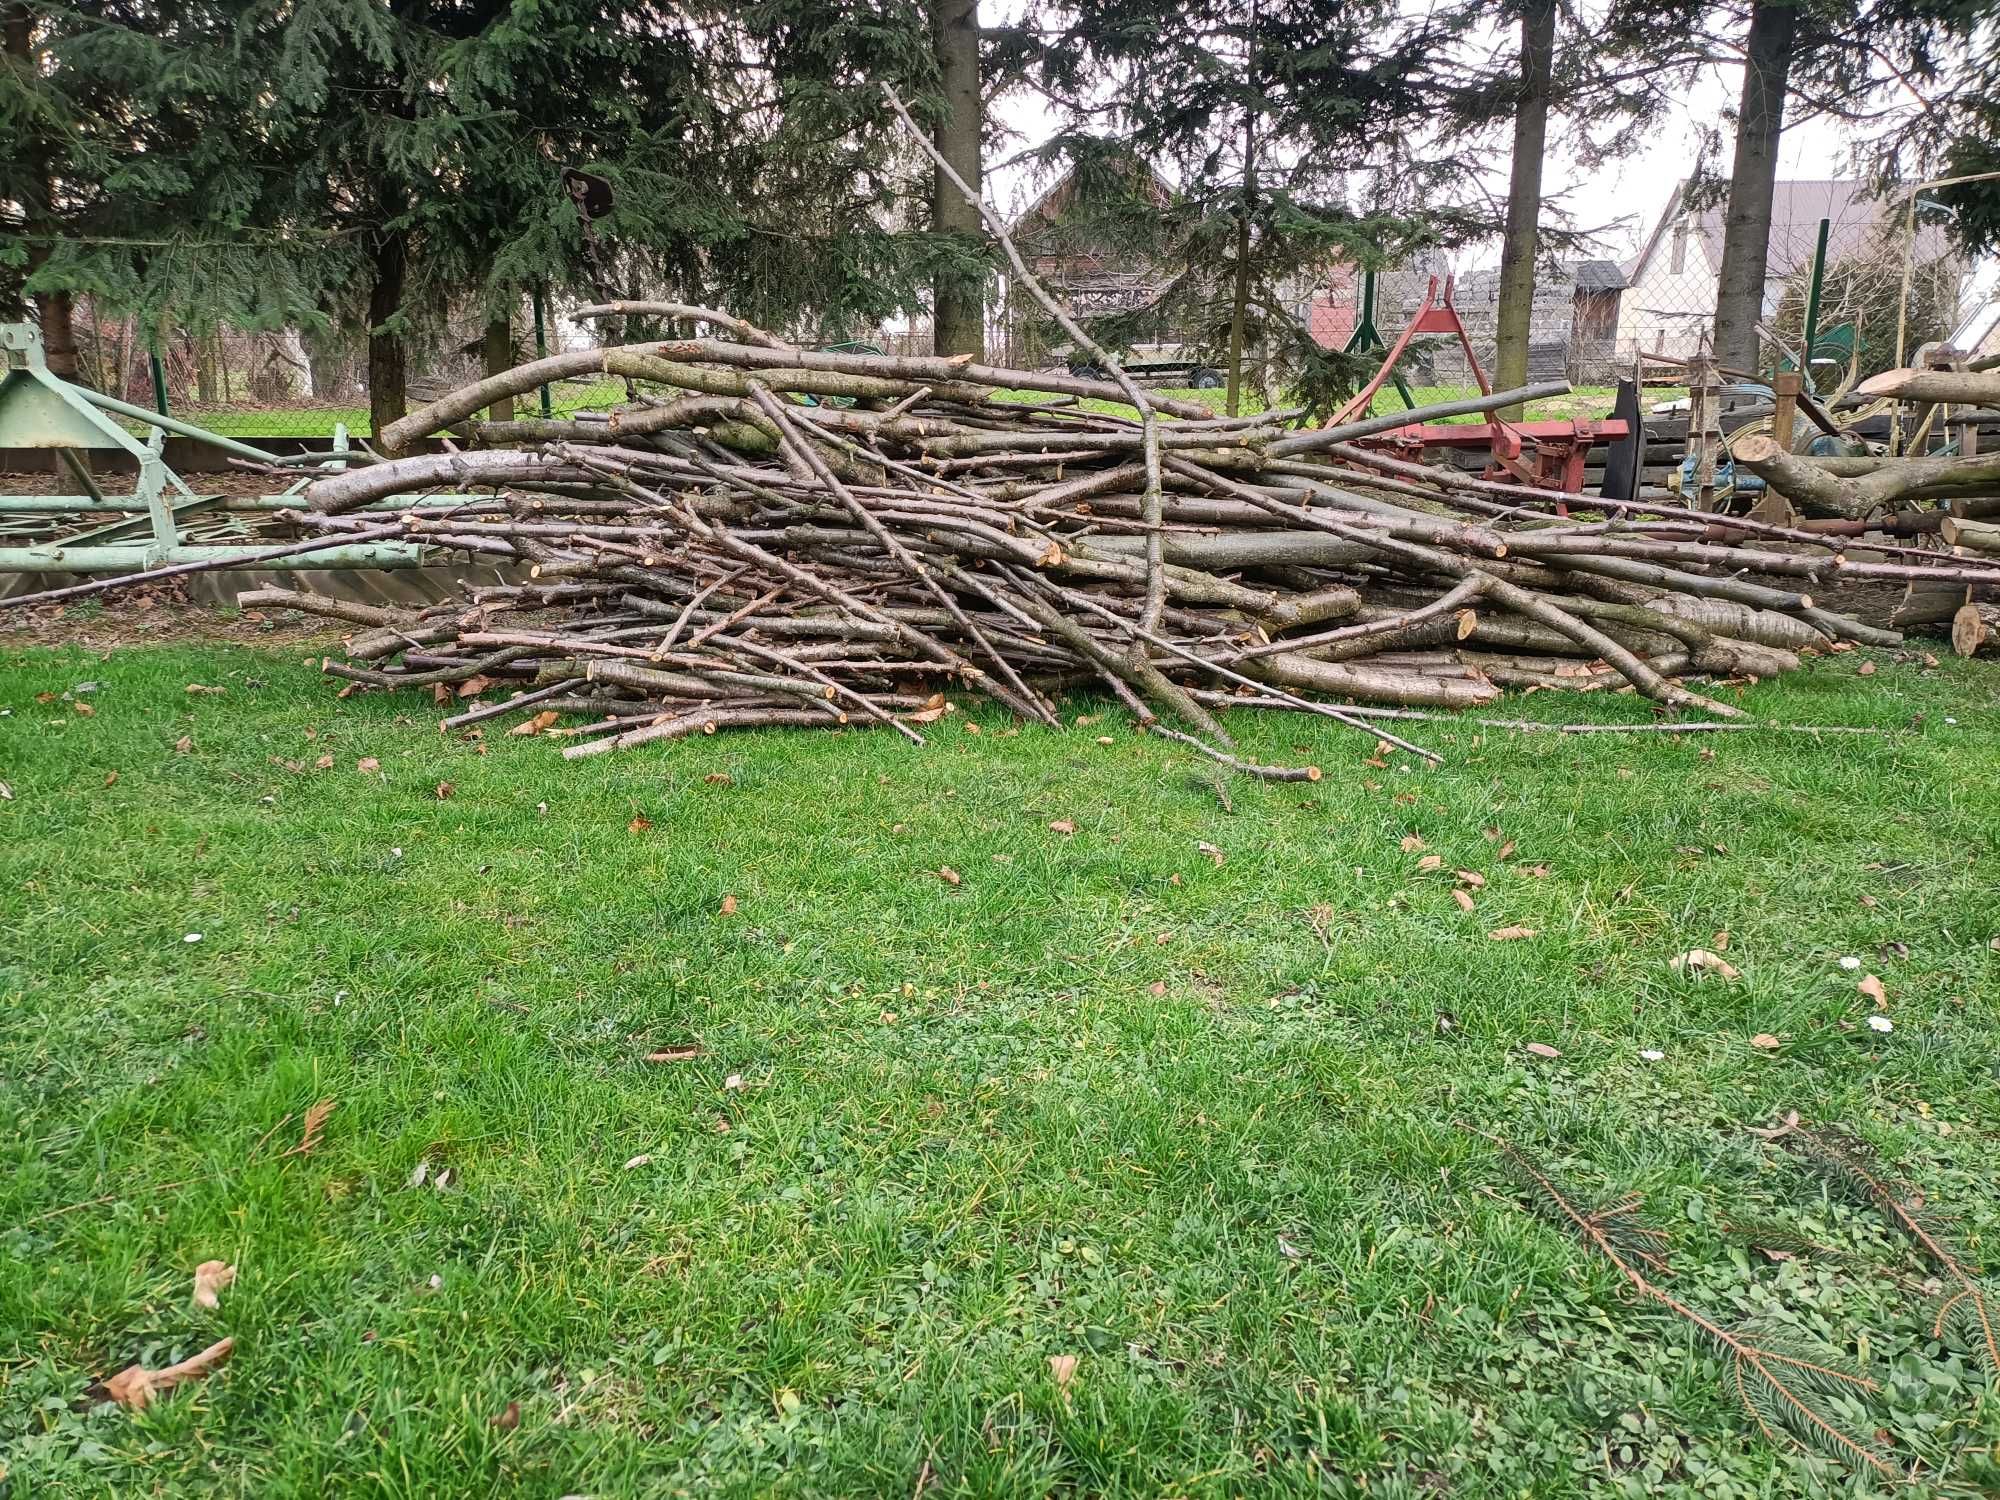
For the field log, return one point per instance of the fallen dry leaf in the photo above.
(673, 1054)
(1411, 843)
(1472, 878)
(1537, 872)
(1866, 669)
(314, 1127)
(1430, 862)
(1157, 988)
(1700, 960)
(1215, 855)
(733, 1084)
(200, 687)
(184, 744)
(537, 724)
(474, 685)
(1720, 942)
(1872, 988)
(1542, 1049)
(729, 906)
(1763, 1041)
(324, 763)
(719, 778)
(85, 710)
(111, 778)
(950, 876)
(1463, 898)
(639, 824)
(1509, 934)
(1785, 1126)
(368, 765)
(928, 715)
(1062, 825)
(135, 1386)
(210, 1277)
(1506, 850)
(642, 1159)
(509, 1419)
(1063, 1368)
(444, 790)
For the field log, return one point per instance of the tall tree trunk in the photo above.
(1746, 232)
(1239, 305)
(388, 376)
(1239, 302)
(958, 301)
(1514, 320)
(499, 360)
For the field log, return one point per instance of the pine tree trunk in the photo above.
(1514, 321)
(1746, 232)
(499, 360)
(388, 391)
(1239, 307)
(958, 302)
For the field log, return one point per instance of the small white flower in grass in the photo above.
(1881, 1023)
(1850, 963)
(192, 937)
(1652, 1054)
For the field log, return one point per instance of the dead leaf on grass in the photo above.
(1472, 878)
(642, 1159)
(509, 1419)
(1411, 843)
(184, 744)
(1062, 825)
(1866, 669)
(950, 876)
(1429, 863)
(719, 778)
(197, 688)
(324, 763)
(1506, 850)
(313, 1128)
(1785, 1126)
(1214, 854)
(210, 1277)
(368, 765)
(639, 824)
(444, 790)
(1510, 934)
(1872, 988)
(674, 1054)
(85, 710)
(538, 723)
(1157, 988)
(1542, 1049)
(1763, 1041)
(111, 778)
(474, 685)
(135, 1386)
(1463, 898)
(1063, 1368)
(1700, 960)
(729, 906)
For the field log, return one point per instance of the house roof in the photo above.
(1856, 220)
(1598, 276)
(1048, 202)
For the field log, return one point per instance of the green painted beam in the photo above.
(56, 558)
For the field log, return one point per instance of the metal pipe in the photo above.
(56, 558)
(174, 425)
(1812, 305)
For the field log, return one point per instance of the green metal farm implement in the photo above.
(164, 521)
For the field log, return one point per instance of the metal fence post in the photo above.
(542, 342)
(159, 372)
(1812, 302)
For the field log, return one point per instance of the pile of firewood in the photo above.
(765, 535)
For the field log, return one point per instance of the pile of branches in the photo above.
(767, 535)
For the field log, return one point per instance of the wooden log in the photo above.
(1959, 387)
(1976, 628)
(1973, 536)
(1811, 487)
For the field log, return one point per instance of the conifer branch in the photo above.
(1773, 1385)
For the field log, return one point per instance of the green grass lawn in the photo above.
(1186, 1120)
